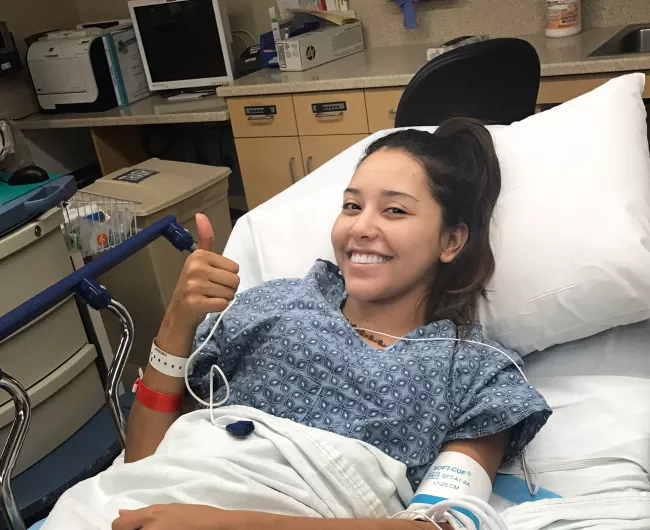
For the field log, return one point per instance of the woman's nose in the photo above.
(364, 226)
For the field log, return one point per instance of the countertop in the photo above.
(395, 66)
(150, 111)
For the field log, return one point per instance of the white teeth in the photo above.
(371, 259)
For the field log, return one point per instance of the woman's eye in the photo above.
(396, 211)
(351, 206)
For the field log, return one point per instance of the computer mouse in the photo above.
(28, 175)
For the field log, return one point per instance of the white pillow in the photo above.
(572, 225)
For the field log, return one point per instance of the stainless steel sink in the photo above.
(633, 39)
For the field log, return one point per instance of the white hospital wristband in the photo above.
(166, 363)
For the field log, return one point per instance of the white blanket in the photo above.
(287, 468)
(282, 467)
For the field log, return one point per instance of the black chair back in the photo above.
(495, 81)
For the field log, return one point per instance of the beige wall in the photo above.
(92, 10)
(26, 17)
(251, 15)
(440, 20)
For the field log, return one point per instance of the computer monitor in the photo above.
(183, 43)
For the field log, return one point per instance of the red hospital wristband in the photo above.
(157, 400)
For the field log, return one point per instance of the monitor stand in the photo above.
(188, 93)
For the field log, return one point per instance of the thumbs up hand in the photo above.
(207, 283)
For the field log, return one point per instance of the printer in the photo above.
(70, 71)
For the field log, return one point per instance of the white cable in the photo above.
(424, 515)
(246, 33)
(530, 475)
(241, 39)
(451, 339)
(213, 368)
(3, 137)
(481, 509)
(478, 507)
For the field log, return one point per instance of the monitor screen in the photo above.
(181, 40)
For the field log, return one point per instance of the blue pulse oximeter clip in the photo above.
(240, 429)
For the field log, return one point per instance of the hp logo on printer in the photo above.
(311, 53)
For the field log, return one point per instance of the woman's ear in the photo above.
(453, 242)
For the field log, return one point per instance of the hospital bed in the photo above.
(619, 353)
(598, 439)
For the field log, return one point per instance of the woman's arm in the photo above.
(487, 451)
(194, 517)
(146, 427)
(208, 282)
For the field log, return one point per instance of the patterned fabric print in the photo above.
(287, 349)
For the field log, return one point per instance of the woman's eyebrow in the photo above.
(384, 193)
(393, 193)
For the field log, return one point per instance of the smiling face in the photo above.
(389, 236)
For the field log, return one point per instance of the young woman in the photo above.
(413, 257)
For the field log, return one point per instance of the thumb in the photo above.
(205, 231)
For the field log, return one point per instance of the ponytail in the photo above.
(464, 178)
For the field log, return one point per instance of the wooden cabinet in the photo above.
(338, 112)
(316, 150)
(281, 138)
(268, 166)
(382, 106)
(256, 117)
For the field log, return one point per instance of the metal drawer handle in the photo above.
(293, 175)
(308, 164)
(392, 112)
(258, 118)
(329, 114)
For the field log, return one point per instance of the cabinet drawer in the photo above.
(61, 404)
(382, 106)
(36, 350)
(268, 166)
(316, 150)
(338, 112)
(254, 117)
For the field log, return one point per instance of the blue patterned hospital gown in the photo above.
(287, 350)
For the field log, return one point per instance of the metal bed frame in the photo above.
(82, 283)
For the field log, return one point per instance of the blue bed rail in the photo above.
(83, 281)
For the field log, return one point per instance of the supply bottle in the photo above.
(563, 17)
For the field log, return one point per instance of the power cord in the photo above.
(235, 31)
(3, 139)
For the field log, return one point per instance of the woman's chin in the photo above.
(364, 293)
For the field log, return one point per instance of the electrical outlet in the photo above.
(7, 142)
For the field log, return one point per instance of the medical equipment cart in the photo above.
(82, 282)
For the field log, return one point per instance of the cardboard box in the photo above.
(319, 47)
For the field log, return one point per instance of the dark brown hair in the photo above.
(464, 178)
